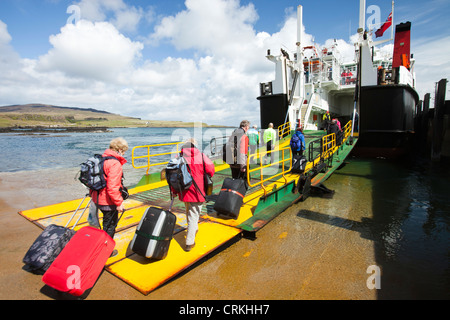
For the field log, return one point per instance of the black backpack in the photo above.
(177, 174)
(93, 177)
(91, 172)
(231, 148)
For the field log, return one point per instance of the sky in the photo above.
(188, 60)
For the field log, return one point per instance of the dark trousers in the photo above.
(236, 173)
(110, 219)
(270, 147)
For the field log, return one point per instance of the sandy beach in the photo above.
(297, 256)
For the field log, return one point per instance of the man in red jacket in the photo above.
(193, 198)
(109, 200)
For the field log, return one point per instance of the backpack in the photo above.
(177, 174)
(231, 148)
(295, 143)
(91, 173)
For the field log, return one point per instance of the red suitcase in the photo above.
(80, 263)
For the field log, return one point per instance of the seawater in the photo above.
(403, 206)
(22, 151)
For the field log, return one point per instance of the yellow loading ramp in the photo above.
(141, 273)
(144, 274)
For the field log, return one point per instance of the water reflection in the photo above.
(403, 208)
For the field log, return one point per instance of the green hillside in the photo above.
(31, 115)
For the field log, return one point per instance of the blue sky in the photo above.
(200, 59)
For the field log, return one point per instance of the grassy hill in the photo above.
(31, 115)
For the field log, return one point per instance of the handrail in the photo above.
(148, 155)
(284, 130)
(328, 148)
(347, 130)
(328, 145)
(286, 150)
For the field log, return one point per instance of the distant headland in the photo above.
(48, 118)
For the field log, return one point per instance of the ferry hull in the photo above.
(386, 120)
(273, 109)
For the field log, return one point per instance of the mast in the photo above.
(301, 77)
(362, 18)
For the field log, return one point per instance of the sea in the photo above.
(409, 198)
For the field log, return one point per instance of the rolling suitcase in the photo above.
(231, 197)
(154, 233)
(49, 244)
(80, 263)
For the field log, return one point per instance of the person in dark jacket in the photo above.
(193, 197)
(333, 127)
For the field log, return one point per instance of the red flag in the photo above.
(385, 26)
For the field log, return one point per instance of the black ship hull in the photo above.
(273, 109)
(386, 118)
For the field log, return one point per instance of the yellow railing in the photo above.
(347, 130)
(286, 156)
(284, 130)
(328, 145)
(148, 155)
(329, 142)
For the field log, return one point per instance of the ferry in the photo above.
(376, 90)
(387, 98)
(293, 99)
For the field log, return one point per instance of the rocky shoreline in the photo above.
(45, 129)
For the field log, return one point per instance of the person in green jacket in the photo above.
(253, 141)
(269, 139)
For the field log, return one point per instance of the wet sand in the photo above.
(316, 249)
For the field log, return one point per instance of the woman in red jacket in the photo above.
(109, 200)
(192, 197)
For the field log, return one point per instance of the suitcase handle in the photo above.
(82, 213)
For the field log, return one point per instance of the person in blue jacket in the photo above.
(297, 143)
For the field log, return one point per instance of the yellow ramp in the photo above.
(146, 275)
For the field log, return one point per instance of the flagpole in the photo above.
(393, 25)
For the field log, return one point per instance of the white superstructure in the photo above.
(316, 80)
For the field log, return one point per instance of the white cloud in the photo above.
(432, 64)
(92, 50)
(5, 37)
(210, 26)
(125, 18)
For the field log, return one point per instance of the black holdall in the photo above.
(207, 180)
(124, 192)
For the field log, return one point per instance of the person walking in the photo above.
(298, 142)
(238, 141)
(253, 141)
(269, 139)
(109, 200)
(194, 197)
(326, 120)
